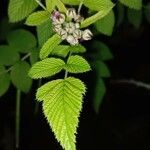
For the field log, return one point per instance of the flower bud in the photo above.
(57, 27)
(77, 25)
(63, 34)
(70, 27)
(78, 18)
(72, 40)
(58, 18)
(87, 34)
(77, 34)
(71, 13)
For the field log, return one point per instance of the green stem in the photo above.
(37, 103)
(41, 4)
(18, 100)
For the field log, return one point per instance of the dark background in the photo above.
(123, 122)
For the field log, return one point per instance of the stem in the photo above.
(18, 100)
(41, 4)
(37, 103)
(80, 6)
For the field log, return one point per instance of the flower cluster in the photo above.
(68, 26)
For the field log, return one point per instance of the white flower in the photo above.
(72, 40)
(77, 25)
(87, 34)
(71, 13)
(77, 34)
(70, 27)
(63, 34)
(58, 18)
(78, 18)
(57, 27)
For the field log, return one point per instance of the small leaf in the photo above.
(44, 32)
(19, 9)
(22, 40)
(46, 68)
(34, 56)
(135, 4)
(106, 24)
(134, 17)
(4, 81)
(99, 15)
(38, 18)
(147, 12)
(60, 6)
(102, 69)
(99, 93)
(77, 49)
(49, 46)
(98, 5)
(77, 64)
(8, 56)
(62, 103)
(50, 5)
(19, 76)
(72, 2)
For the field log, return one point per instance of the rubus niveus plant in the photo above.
(62, 27)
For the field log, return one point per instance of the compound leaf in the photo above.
(19, 76)
(62, 103)
(77, 64)
(46, 68)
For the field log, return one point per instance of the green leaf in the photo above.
(77, 49)
(60, 6)
(50, 5)
(72, 2)
(62, 103)
(99, 93)
(4, 81)
(38, 18)
(44, 32)
(135, 4)
(46, 68)
(102, 69)
(135, 17)
(19, 9)
(34, 56)
(99, 15)
(50, 44)
(102, 51)
(22, 40)
(8, 56)
(60, 50)
(147, 12)
(106, 24)
(77, 64)
(98, 5)
(19, 76)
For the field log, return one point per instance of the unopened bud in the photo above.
(57, 27)
(63, 34)
(70, 27)
(58, 18)
(87, 34)
(71, 13)
(77, 34)
(78, 18)
(72, 40)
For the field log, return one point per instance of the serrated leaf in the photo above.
(135, 4)
(22, 40)
(99, 93)
(8, 56)
(60, 50)
(19, 9)
(99, 15)
(77, 64)
(46, 68)
(50, 5)
(98, 5)
(147, 12)
(106, 24)
(134, 17)
(77, 49)
(101, 69)
(4, 80)
(103, 51)
(50, 44)
(38, 18)
(19, 76)
(44, 32)
(62, 103)
(72, 2)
